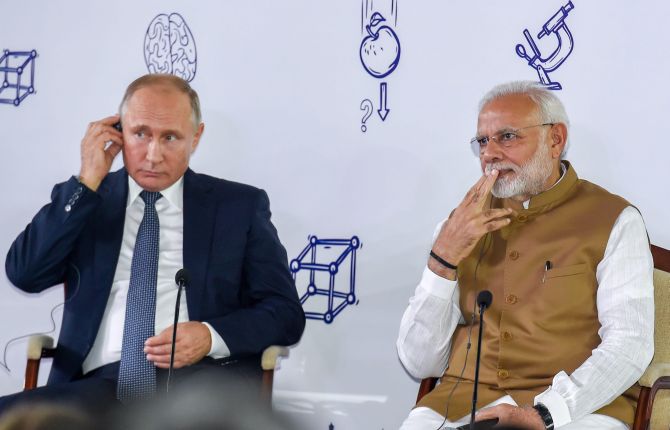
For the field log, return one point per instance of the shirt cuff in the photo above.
(437, 285)
(219, 348)
(557, 406)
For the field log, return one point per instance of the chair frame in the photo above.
(645, 401)
(41, 346)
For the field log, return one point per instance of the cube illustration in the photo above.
(17, 71)
(320, 264)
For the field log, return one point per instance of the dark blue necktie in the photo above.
(137, 375)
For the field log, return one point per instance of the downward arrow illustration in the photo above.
(382, 111)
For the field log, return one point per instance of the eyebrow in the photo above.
(144, 127)
(138, 127)
(500, 130)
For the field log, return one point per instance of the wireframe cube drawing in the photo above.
(13, 68)
(327, 257)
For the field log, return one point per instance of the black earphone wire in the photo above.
(483, 250)
(4, 364)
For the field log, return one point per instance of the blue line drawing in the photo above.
(556, 25)
(383, 111)
(339, 250)
(169, 47)
(367, 106)
(14, 74)
(380, 48)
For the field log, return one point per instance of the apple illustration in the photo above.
(380, 50)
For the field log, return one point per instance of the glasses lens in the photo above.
(476, 148)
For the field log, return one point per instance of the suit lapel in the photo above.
(199, 219)
(109, 229)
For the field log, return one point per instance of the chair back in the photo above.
(660, 418)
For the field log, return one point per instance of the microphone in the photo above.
(182, 279)
(484, 300)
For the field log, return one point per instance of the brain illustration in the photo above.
(169, 47)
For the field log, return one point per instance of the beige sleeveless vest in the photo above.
(541, 321)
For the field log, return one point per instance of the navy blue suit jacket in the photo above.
(240, 282)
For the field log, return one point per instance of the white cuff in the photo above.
(557, 406)
(437, 285)
(219, 348)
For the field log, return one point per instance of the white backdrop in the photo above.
(281, 84)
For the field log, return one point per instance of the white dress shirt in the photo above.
(625, 303)
(107, 346)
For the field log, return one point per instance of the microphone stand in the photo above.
(181, 281)
(484, 299)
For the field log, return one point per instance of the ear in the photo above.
(198, 135)
(559, 138)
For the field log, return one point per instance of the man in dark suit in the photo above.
(118, 238)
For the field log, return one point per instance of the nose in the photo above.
(491, 152)
(154, 152)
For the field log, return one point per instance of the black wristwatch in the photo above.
(543, 412)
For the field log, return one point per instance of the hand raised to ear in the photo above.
(100, 145)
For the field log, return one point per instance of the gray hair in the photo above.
(169, 80)
(549, 106)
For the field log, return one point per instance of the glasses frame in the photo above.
(477, 148)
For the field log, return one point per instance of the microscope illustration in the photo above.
(320, 262)
(17, 69)
(557, 26)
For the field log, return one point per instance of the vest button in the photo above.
(511, 299)
(514, 255)
(507, 335)
(503, 373)
(522, 218)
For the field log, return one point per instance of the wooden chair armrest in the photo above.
(271, 355)
(39, 346)
(37, 343)
(427, 385)
(269, 363)
(645, 403)
(654, 372)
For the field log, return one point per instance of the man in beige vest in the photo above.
(570, 329)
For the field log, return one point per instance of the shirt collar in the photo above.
(174, 194)
(563, 170)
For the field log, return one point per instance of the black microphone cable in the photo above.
(488, 241)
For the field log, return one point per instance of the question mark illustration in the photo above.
(368, 107)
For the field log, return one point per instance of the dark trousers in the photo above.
(95, 392)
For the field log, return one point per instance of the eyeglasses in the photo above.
(504, 138)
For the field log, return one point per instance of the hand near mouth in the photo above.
(468, 223)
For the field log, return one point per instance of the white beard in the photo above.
(528, 179)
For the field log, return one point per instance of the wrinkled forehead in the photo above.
(158, 101)
(159, 91)
(505, 112)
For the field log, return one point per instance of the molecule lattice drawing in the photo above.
(17, 69)
(320, 264)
